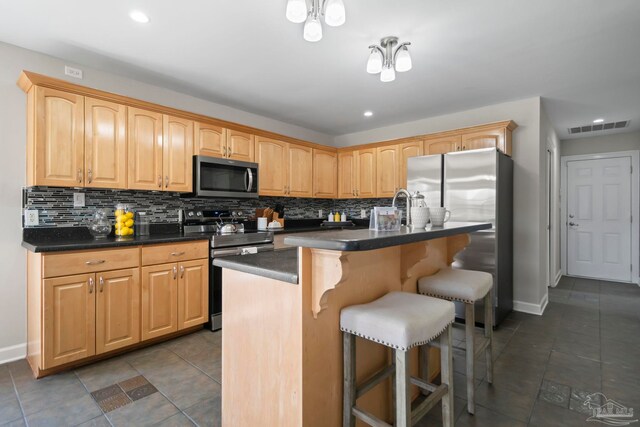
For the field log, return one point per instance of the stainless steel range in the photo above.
(228, 236)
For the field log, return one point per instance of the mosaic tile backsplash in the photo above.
(55, 205)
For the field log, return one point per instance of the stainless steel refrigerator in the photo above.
(475, 185)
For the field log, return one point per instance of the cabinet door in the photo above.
(347, 175)
(177, 154)
(68, 319)
(58, 132)
(366, 173)
(271, 155)
(493, 138)
(300, 171)
(240, 146)
(408, 149)
(325, 174)
(117, 309)
(105, 144)
(144, 141)
(443, 145)
(210, 140)
(193, 293)
(388, 174)
(159, 300)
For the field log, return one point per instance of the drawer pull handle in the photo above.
(95, 262)
(177, 253)
(181, 271)
(175, 272)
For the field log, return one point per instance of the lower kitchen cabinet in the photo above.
(159, 300)
(84, 304)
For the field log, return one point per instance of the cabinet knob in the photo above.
(159, 181)
(101, 284)
(79, 175)
(175, 272)
(91, 285)
(166, 181)
(181, 271)
(90, 175)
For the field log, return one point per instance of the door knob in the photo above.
(570, 215)
(573, 224)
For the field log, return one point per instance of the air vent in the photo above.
(598, 127)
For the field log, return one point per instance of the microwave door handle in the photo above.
(250, 184)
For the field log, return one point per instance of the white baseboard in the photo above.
(558, 277)
(527, 307)
(14, 352)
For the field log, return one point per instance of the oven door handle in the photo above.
(250, 183)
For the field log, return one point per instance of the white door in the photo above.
(599, 218)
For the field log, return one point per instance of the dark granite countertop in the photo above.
(365, 240)
(279, 265)
(78, 238)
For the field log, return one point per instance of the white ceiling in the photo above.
(581, 56)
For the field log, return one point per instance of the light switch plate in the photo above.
(31, 217)
(320, 213)
(363, 213)
(78, 200)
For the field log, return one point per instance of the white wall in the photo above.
(12, 165)
(601, 144)
(529, 264)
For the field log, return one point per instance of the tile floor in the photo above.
(588, 341)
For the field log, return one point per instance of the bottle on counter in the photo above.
(343, 217)
(337, 217)
(330, 217)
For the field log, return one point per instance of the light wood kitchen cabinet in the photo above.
(55, 135)
(117, 309)
(299, 171)
(69, 305)
(489, 138)
(210, 140)
(272, 157)
(193, 293)
(144, 139)
(177, 154)
(347, 175)
(388, 170)
(325, 174)
(366, 168)
(443, 145)
(408, 149)
(159, 300)
(240, 146)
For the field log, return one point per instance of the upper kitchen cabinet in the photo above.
(366, 167)
(325, 174)
(486, 139)
(347, 175)
(300, 171)
(442, 145)
(105, 144)
(408, 149)
(144, 138)
(388, 168)
(210, 140)
(177, 154)
(240, 146)
(55, 133)
(272, 157)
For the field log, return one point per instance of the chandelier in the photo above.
(331, 10)
(386, 60)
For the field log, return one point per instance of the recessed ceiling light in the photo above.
(368, 113)
(598, 121)
(139, 16)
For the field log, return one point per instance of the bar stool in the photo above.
(468, 287)
(401, 321)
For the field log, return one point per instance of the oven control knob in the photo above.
(199, 213)
(190, 213)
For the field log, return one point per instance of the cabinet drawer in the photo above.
(80, 262)
(172, 252)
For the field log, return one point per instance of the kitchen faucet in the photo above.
(406, 194)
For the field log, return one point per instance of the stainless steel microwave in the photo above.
(214, 177)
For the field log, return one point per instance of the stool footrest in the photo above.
(483, 344)
(368, 418)
(426, 405)
(374, 379)
(423, 384)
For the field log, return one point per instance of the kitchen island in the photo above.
(282, 345)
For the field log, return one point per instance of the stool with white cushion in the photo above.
(468, 287)
(401, 321)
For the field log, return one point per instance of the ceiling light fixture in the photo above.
(598, 121)
(332, 10)
(368, 113)
(385, 60)
(139, 16)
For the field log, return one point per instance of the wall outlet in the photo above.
(76, 73)
(31, 217)
(320, 213)
(78, 200)
(363, 213)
